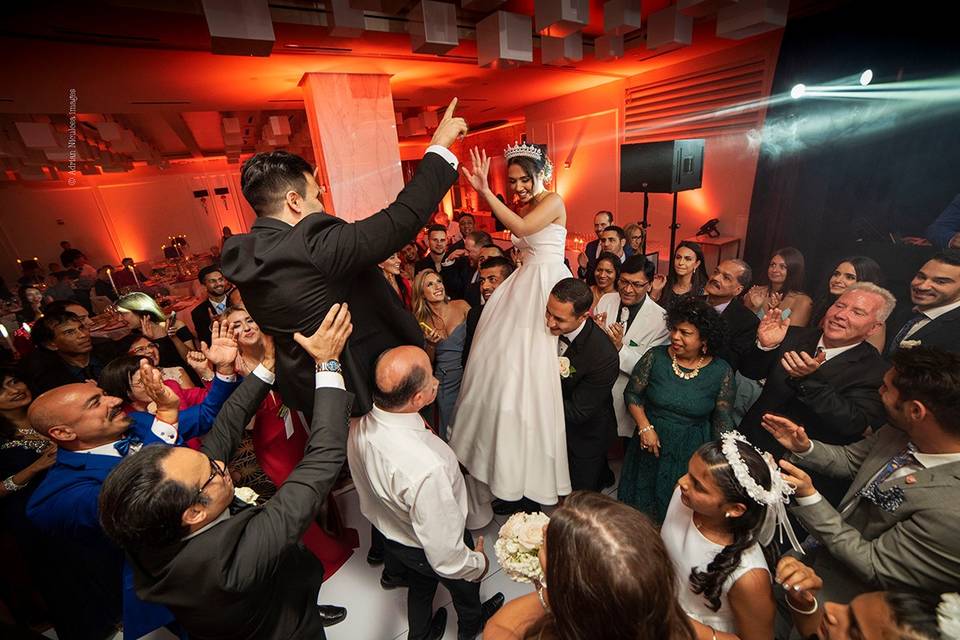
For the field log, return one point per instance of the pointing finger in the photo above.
(450, 108)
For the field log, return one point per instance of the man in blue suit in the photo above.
(93, 433)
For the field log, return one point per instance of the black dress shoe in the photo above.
(388, 581)
(507, 508)
(487, 609)
(330, 614)
(438, 625)
(375, 557)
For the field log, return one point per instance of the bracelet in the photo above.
(816, 605)
(11, 485)
(644, 430)
(543, 602)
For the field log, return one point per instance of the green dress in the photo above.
(685, 413)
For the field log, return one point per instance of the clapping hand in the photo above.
(151, 329)
(657, 284)
(199, 363)
(799, 364)
(615, 332)
(756, 296)
(450, 128)
(788, 433)
(772, 330)
(168, 404)
(477, 177)
(223, 349)
(799, 581)
(328, 340)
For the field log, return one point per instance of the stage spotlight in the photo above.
(866, 77)
(798, 91)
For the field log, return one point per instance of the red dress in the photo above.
(279, 439)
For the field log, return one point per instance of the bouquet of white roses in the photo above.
(518, 546)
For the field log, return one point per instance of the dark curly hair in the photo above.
(712, 328)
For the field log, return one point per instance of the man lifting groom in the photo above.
(297, 261)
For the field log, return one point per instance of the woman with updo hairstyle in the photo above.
(517, 445)
(607, 577)
(680, 396)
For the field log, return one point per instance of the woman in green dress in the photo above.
(680, 396)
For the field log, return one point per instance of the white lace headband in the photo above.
(775, 499)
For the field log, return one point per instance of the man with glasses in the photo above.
(227, 570)
(634, 323)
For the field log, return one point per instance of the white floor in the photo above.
(377, 614)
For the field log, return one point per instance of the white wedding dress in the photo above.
(508, 425)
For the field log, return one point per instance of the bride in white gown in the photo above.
(508, 426)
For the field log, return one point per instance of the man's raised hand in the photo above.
(450, 127)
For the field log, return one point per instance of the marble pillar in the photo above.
(354, 131)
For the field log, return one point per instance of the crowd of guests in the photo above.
(790, 462)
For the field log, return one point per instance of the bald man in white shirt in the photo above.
(411, 489)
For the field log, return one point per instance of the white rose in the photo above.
(564, 367)
(509, 528)
(246, 494)
(511, 547)
(530, 536)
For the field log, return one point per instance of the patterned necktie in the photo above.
(127, 443)
(902, 334)
(889, 499)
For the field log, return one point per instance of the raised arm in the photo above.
(341, 249)
(281, 522)
(549, 210)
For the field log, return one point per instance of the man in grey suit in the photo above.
(896, 527)
(225, 571)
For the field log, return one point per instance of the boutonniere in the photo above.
(565, 368)
(910, 344)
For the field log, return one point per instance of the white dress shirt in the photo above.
(931, 315)
(411, 489)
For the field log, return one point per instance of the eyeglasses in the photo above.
(625, 284)
(215, 470)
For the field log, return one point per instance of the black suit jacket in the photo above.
(473, 319)
(380, 322)
(202, 316)
(835, 404)
(249, 577)
(591, 253)
(289, 277)
(741, 332)
(942, 333)
(588, 392)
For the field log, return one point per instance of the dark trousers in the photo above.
(391, 568)
(423, 586)
(586, 473)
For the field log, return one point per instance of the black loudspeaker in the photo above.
(664, 167)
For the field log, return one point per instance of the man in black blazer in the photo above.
(227, 570)
(826, 380)
(935, 294)
(203, 315)
(451, 266)
(493, 272)
(589, 366)
(297, 260)
(588, 259)
(731, 278)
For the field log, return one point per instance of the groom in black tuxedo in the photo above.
(589, 367)
(297, 261)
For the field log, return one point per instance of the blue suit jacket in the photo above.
(64, 506)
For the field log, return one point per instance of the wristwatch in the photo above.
(332, 366)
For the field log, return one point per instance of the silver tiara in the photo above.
(524, 150)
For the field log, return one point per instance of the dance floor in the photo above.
(377, 614)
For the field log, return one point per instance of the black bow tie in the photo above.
(565, 340)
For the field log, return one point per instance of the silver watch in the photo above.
(332, 366)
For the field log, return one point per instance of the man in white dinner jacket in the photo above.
(635, 323)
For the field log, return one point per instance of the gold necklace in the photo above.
(686, 375)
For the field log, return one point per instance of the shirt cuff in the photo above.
(231, 378)
(763, 348)
(265, 374)
(808, 500)
(805, 452)
(444, 153)
(166, 432)
(329, 380)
